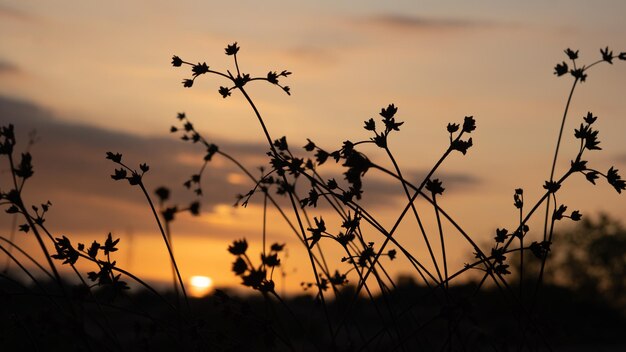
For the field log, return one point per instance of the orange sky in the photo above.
(93, 78)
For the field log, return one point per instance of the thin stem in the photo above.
(167, 244)
(443, 244)
(556, 151)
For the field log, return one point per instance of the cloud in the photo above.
(72, 172)
(620, 158)
(14, 14)
(413, 23)
(8, 67)
(386, 191)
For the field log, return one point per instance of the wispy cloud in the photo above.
(415, 23)
(8, 67)
(14, 14)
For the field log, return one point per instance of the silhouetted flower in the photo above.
(592, 176)
(501, 235)
(241, 80)
(573, 55)
(187, 83)
(434, 186)
(134, 179)
(321, 156)
(392, 254)
(579, 73)
(25, 167)
(388, 114)
(271, 260)
(366, 255)
(518, 199)
(238, 247)
(560, 69)
(109, 245)
(590, 119)
(551, 186)
(176, 61)
(162, 193)
(607, 55)
(232, 49)
(316, 233)
(254, 278)
(498, 255)
(589, 136)
(461, 145)
(558, 213)
(194, 208)
(345, 238)
(540, 250)
(380, 140)
(65, 251)
(370, 125)
(622, 56)
(576, 216)
(92, 252)
(579, 165)
(272, 77)
(469, 124)
(338, 279)
(501, 269)
(277, 247)
(281, 143)
(116, 158)
(240, 266)
(615, 180)
(200, 69)
(453, 127)
(120, 174)
(311, 200)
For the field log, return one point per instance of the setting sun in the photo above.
(200, 285)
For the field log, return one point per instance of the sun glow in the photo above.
(200, 285)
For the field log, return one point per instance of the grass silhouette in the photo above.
(357, 305)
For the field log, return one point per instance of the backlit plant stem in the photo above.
(167, 244)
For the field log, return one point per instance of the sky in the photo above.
(91, 78)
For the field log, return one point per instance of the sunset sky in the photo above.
(94, 77)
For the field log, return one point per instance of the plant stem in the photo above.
(167, 244)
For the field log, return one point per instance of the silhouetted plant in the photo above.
(286, 169)
(435, 316)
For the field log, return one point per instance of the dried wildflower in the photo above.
(176, 61)
(232, 49)
(573, 55)
(434, 186)
(238, 247)
(561, 69)
(607, 55)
